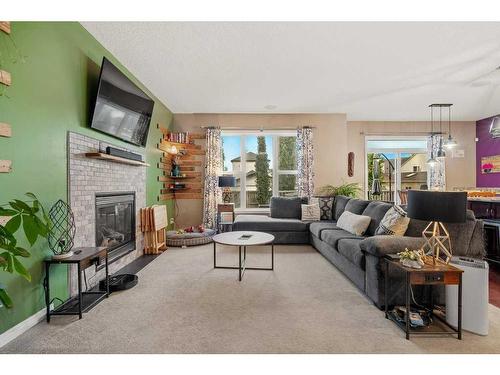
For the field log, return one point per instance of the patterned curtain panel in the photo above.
(436, 178)
(305, 160)
(213, 169)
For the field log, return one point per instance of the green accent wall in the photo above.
(50, 95)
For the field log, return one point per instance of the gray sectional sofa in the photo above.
(358, 257)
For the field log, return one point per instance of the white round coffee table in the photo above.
(242, 239)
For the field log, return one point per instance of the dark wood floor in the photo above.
(495, 286)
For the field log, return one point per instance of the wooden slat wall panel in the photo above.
(5, 166)
(190, 165)
(5, 130)
(5, 78)
(5, 26)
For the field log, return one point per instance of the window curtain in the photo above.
(436, 178)
(305, 160)
(213, 169)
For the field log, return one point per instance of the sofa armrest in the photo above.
(381, 245)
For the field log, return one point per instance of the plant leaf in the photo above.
(30, 229)
(42, 228)
(21, 270)
(24, 206)
(9, 267)
(20, 252)
(4, 297)
(3, 262)
(13, 224)
(7, 212)
(31, 195)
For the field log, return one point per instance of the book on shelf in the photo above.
(179, 137)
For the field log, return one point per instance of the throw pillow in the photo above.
(325, 207)
(394, 222)
(353, 223)
(310, 212)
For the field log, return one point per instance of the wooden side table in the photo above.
(429, 274)
(223, 208)
(83, 257)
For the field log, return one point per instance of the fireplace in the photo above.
(115, 223)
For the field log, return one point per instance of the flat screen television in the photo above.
(122, 109)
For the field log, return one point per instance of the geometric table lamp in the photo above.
(437, 207)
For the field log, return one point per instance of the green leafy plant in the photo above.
(348, 189)
(33, 219)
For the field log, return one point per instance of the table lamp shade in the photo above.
(227, 181)
(445, 207)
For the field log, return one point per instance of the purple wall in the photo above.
(486, 146)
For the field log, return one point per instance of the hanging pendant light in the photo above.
(450, 142)
(431, 161)
(441, 154)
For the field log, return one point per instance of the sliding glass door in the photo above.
(396, 165)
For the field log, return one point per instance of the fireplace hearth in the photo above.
(115, 223)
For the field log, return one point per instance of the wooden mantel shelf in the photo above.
(115, 159)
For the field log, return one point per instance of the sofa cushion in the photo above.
(355, 224)
(311, 212)
(318, 227)
(268, 224)
(333, 236)
(326, 207)
(376, 210)
(356, 206)
(350, 249)
(394, 223)
(340, 203)
(286, 208)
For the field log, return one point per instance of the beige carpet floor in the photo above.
(183, 305)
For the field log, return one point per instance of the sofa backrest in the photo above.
(339, 205)
(376, 210)
(356, 206)
(286, 208)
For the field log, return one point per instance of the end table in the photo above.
(222, 222)
(430, 274)
(83, 257)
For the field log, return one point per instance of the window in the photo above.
(264, 164)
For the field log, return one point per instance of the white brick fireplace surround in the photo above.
(86, 178)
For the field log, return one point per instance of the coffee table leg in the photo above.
(272, 256)
(239, 270)
(215, 262)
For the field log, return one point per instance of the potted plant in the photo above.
(347, 189)
(32, 218)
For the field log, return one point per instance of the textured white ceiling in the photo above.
(371, 71)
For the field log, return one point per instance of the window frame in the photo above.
(275, 134)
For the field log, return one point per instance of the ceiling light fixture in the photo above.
(450, 142)
(431, 161)
(441, 154)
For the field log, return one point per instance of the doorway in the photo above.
(400, 164)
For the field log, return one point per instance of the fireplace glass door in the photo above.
(115, 223)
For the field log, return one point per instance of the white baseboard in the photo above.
(23, 326)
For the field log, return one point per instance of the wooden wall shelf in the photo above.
(5, 130)
(5, 78)
(5, 26)
(115, 159)
(5, 166)
(189, 159)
